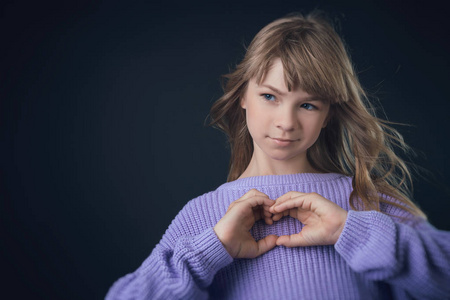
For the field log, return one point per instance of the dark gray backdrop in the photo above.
(102, 134)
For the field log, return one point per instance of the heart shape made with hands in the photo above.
(323, 222)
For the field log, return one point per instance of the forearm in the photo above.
(184, 272)
(416, 259)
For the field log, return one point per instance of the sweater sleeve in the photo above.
(181, 266)
(413, 257)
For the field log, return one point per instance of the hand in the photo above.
(233, 230)
(323, 220)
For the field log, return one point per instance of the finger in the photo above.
(258, 201)
(253, 205)
(286, 197)
(268, 220)
(252, 193)
(252, 202)
(255, 198)
(257, 213)
(293, 240)
(260, 212)
(266, 211)
(249, 194)
(278, 216)
(303, 201)
(265, 244)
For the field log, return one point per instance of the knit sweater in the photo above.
(379, 255)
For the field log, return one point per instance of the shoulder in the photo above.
(398, 211)
(209, 203)
(203, 211)
(195, 217)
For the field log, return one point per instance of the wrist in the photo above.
(220, 237)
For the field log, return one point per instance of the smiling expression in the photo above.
(282, 123)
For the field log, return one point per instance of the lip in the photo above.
(283, 142)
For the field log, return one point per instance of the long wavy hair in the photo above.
(355, 141)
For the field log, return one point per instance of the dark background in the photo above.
(102, 135)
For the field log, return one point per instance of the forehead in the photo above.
(275, 74)
(275, 79)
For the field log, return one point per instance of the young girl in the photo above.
(317, 204)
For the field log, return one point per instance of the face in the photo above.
(282, 123)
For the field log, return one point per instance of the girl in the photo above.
(317, 204)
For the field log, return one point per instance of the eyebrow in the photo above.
(310, 98)
(273, 89)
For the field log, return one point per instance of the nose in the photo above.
(286, 119)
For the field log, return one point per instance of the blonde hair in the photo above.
(355, 142)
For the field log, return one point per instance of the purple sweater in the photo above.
(376, 257)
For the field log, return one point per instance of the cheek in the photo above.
(258, 123)
(252, 122)
(313, 128)
(254, 117)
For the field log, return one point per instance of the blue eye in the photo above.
(308, 106)
(269, 97)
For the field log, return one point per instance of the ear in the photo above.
(242, 102)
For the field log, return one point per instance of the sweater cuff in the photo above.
(213, 254)
(368, 241)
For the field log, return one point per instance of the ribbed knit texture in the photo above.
(376, 256)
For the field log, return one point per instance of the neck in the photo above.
(260, 166)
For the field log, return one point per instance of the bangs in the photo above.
(316, 63)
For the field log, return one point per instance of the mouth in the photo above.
(283, 142)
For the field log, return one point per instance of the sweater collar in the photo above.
(267, 180)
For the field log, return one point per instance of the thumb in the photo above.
(266, 244)
(293, 240)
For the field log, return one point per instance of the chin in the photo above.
(283, 157)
